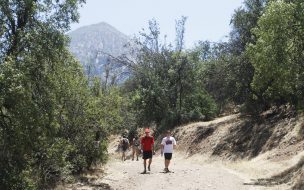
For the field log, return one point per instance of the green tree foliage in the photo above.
(242, 71)
(277, 56)
(21, 21)
(226, 71)
(53, 121)
(165, 82)
(215, 71)
(243, 21)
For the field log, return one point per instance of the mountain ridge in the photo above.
(90, 44)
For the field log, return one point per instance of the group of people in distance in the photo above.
(145, 145)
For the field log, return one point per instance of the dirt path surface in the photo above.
(186, 175)
(210, 155)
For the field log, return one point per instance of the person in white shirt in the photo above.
(167, 145)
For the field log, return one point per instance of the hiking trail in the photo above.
(186, 174)
(194, 167)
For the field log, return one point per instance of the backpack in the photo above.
(124, 143)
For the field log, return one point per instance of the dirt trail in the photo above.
(185, 175)
(195, 166)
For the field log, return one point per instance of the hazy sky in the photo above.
(207, 19)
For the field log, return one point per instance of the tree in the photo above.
(276, 56)
(243, 21)
(21, 20)
(164, 79)
(228, 71)
(50, 117)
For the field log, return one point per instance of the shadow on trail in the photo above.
(166, 172)
(94, 183)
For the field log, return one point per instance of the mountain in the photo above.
(91, 44)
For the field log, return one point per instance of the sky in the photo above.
(206, 19)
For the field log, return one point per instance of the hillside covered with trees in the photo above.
(55, 120)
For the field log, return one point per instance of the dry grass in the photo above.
(293, 175)
(258, 146)
(299, 183)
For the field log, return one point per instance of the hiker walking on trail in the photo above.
(135, 147)
(167, 145)
(124, 143)
(147, 143)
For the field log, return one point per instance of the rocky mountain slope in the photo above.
(92, 44)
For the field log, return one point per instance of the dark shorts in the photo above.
(147, 155)
(168, 156)
(124, 149)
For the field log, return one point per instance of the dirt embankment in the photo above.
(268, 148)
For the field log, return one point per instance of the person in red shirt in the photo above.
(147, 144)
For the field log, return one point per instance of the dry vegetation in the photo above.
(269, 143)
(292, 175)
